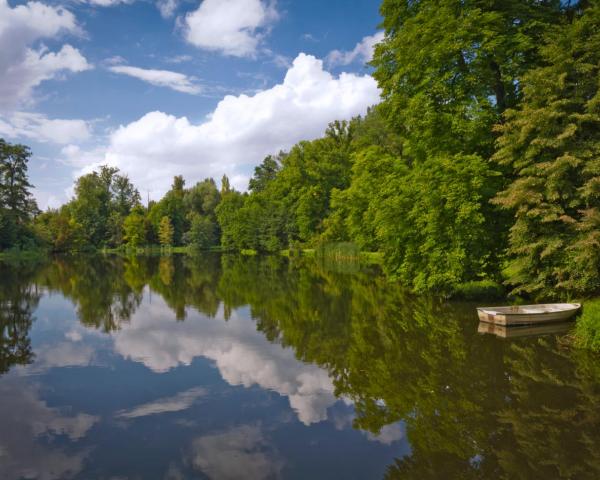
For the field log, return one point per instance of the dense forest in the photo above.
(480, 164)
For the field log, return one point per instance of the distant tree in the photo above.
(16, 203)
(125, 196)
(264, 173)
(202, 232)
(58, 231)
(225, 186)
(134, 227)
(229, 220)
(165, 232)
(102, 200)
(172, 205)
(202, 198)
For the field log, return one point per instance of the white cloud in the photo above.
(242, 355)
(22, 68)
(231, 27)
(38, 127)
(177, 403)
(240, 132)
(179, 59)
(363, 51)
(167, 7)
(162, 78)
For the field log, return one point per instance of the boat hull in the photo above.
(528, 314)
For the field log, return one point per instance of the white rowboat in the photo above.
(528, 314)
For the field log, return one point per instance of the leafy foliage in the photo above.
(551, 144)
(166, 232)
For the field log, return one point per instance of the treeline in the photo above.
(482, 162)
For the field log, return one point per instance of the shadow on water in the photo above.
(471, 405)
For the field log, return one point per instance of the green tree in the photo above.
(225, 185)
(227, 213)
(166, 232)
(172, 205)
(16, 203)
(552, 146)
(135, 228)
(58, 231)
(102, 200)
(202, 198)
(202, 233)
(264, 173)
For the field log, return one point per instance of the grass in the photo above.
(587, 330)
(479, 289)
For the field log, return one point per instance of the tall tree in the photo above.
(166, 232)
(264, 173)
(552, 145)
(16, 202)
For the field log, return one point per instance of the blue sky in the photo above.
(166, 87)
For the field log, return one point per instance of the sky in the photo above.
(159, 88)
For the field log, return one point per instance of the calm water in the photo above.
(226, 367)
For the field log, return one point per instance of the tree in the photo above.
(202, 233)
(16, 203)
(58, 231)
(102, 200)
(134, 227)
(227, 213)
(264, 173)
(202, 198)
(225, 186)
(551, 145)
(166, 232)
(173, 206)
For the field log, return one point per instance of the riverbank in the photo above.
(587, 329)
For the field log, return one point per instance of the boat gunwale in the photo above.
(492, 311)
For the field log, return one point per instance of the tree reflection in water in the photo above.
(472, 406)
(18, 299)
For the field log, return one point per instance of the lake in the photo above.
(226, 367)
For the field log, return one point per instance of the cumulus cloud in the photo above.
(231, 27)
(240, 132)
(22, 67)
(38, 127)
(242, 355)
(176, 403)
(162, 78)
(363, 51)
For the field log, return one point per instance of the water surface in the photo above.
(228, 367)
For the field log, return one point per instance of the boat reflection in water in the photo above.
(524, 330)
